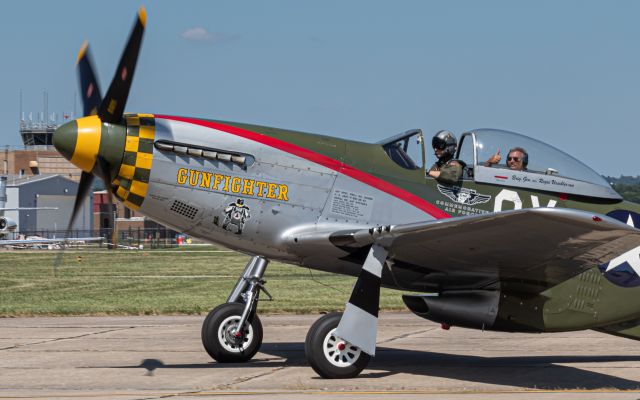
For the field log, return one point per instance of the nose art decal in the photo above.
(133, 178)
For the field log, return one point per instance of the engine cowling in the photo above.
(7, 224)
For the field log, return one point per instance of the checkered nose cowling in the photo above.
(132, 180)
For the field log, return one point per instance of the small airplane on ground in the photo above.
(39, 242)
(544, 249)
(8, 225)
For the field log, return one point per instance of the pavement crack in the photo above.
(249, 378)
(64, 338)
(405, 335)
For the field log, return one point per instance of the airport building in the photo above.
(127, 221)
(37, 156)
(45, 191)
(36, 160)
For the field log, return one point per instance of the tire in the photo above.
(324, 355)
(218, 341)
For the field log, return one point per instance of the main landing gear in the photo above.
(232, 332)
(341, 345)
(330, 356)
(337, 345)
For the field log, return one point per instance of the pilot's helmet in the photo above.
(240, 202)
(445, 140)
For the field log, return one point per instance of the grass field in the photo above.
(189, 280)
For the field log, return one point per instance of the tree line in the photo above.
(627, 186)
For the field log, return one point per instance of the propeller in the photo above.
(88, 142)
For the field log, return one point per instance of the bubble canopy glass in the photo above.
(548, 168)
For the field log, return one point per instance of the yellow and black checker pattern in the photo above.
(132, 182)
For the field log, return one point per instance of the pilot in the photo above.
(517, 159)
(446, 169)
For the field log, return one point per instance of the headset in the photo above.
(525, 159)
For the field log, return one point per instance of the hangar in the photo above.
(52, 190)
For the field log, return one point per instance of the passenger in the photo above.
(446, 169)
(517, 159)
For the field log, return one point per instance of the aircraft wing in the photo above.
(48, 241)
(533, 248)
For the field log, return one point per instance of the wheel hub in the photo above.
(233, 335)
(233, 339)
(340, 352)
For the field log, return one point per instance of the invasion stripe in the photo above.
(321, 159)
(366, 293)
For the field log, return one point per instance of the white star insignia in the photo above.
(631, 257)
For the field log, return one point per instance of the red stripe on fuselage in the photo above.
(321, 159)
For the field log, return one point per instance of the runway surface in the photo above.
(150, 357)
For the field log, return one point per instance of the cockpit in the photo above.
(545, 167)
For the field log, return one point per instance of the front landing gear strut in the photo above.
(232, 332)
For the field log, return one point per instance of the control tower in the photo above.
(37, 133)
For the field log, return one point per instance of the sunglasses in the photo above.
(516, 159)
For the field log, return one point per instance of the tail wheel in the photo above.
(221, 338)
(330, 356)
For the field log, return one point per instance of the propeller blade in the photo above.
(86, 181)
(89, 87)
(112, 107)
(104, 171)
(114, 233)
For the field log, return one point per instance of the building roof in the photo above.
(16, 180)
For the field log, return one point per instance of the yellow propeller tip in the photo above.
(82, 51)
(142, 14)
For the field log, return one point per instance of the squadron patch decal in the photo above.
(463, 195)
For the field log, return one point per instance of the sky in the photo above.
(564, 72)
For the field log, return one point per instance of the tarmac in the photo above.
(152, 357)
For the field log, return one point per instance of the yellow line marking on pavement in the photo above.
(320, 392)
